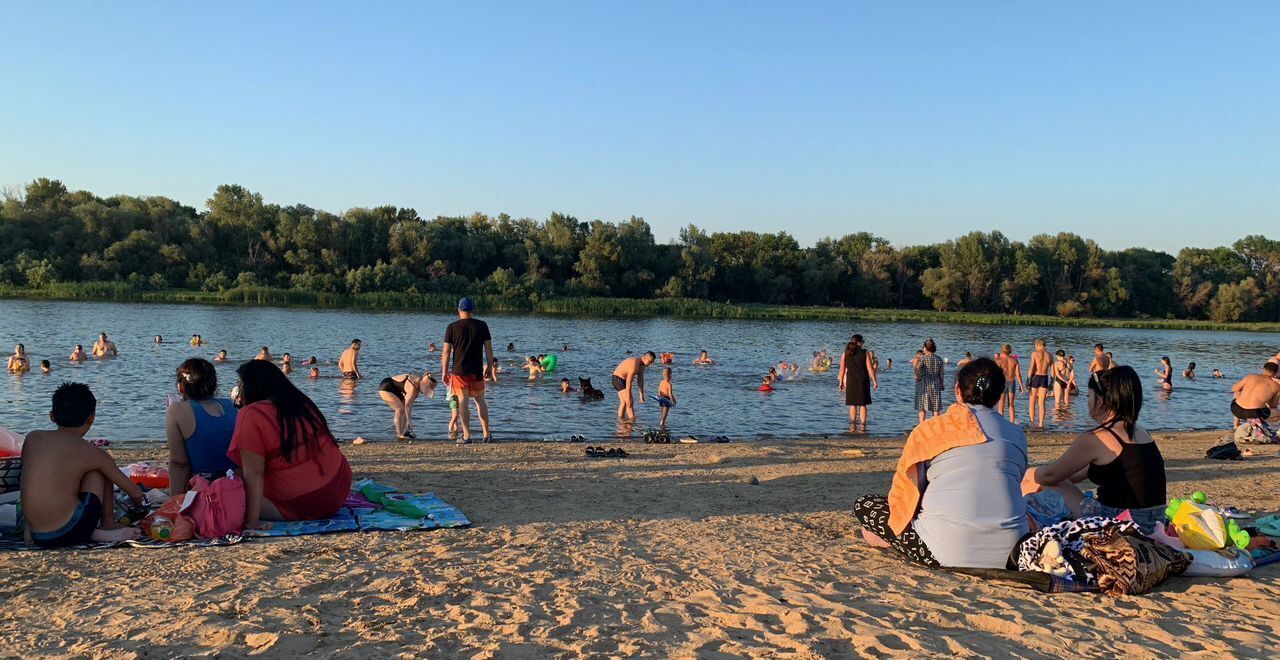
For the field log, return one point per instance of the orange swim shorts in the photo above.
(472, 385)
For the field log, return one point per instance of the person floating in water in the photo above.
(1190, 373)
(78, 355)
(159, 339)
(1217, 373)
(104, 347)
(222, 356)
(629, 371)
(703, 359)
(310, 361)
(197, 340)
(888, 364)
(45, 367)
(431, 348)
(1165, 372)
(286, 363)
(767, 385)
(19, 363)
(348, 363)
(666, 397)
(264, 354)
(315, 373)
(511, 347)
(566, 387)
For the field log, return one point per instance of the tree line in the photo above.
(51, 234)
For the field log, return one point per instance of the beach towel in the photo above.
(1067, 539)
(9, 544)
(1126, 562)
(343, 521)
(374, 507)
(958, 427)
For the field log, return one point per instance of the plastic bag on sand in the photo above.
(1219, 563)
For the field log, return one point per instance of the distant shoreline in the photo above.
(592, 306)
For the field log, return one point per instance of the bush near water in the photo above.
(56, 243)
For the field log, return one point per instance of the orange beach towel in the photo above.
(958, 427)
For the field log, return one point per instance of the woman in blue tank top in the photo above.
(199, 428)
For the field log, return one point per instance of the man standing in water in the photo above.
(1101, 359)
(1038, 382)
(469, 343)
(1013, 377)
(630, 370)
(104, 347)
(348, 364)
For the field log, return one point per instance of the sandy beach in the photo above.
(743, 549)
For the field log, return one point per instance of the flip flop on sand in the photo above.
(616, 452)
(688, 440)
(595, 451)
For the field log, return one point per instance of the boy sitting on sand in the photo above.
(66, 482)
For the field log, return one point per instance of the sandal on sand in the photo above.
(595, 451)
(462, 441)
(487, 439)
(616, 452)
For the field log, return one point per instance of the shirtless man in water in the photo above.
(104, 347)
(348, 363)
(1013, 376)
(1038, 382)
(1101, 359)
(264, 354)
(628, 371)
(1256, 394)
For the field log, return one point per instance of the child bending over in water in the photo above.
(67, 483)
(666, 397)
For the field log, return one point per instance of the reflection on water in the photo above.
(718, 400)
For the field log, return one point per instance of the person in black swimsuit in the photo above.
(857, 377)
(399, 392)
(1117, 455)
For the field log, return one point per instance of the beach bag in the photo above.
(1254, 432)
(181, 528)
(1129, 563)
(219, 506)
(1227, 451)
(1200, 527)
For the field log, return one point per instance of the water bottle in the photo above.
(161, 528)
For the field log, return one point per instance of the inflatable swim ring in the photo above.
(10, 444)
(549, 363)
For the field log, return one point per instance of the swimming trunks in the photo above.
(1249, 413)
(390, 385)
(1038, 382)
(472, 385)
(665, 402)
(350, 375)
(78, 530)
(619, 384)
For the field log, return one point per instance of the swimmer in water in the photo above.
(511, 347)
(888, 364)
(1038, 382)
(310, 361)
(1063, 378)
(767, 385)
(315, 373)
(566, 387)
(45, 367)
(264, 354)
(1165, 372)
(1101, 359)
(703, 359)
(159, 339)
(78, 355)
(968, 357)
(534, 367)
(431, 348)
(104, 347)
(1190, 373)
(564, 347)
(1217, 373)
(18, 362)
(222, 356)
(666, 397)
(286, 363)
(197, 340)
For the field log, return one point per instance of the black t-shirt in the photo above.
(467, 337)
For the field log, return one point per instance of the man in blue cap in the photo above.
(469, 343)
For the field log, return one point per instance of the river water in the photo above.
(719, 400)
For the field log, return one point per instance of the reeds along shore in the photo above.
(594, 306)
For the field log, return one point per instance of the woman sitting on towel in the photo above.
(1117, 455)
(955, 499)
(293, 469)
(199, 428)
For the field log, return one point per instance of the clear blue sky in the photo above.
(1135, 123)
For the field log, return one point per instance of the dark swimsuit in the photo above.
(394, 387)
(619, 383)
(1249, 413)
(78, 530)
(1134, 480)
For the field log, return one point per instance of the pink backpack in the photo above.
(219, 506)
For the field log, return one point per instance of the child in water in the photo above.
(565, 387)
(767, 385)
(45, 367)
(534, 367)
(666, 397)
(315, 373)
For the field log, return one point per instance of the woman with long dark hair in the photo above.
(857, 377)
(293, 469)
(1117, 455)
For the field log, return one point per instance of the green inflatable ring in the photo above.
(549, 363)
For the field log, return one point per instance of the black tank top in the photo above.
(1134, 480)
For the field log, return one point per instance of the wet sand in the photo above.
(743, 549)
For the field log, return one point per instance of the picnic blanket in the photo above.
(370, 507)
